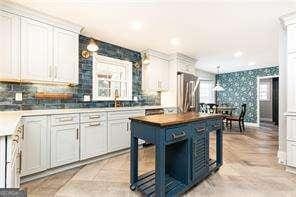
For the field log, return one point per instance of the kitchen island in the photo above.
(181, 151)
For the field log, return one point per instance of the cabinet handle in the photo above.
(93, 125)
(23, 132)
(65, 119)
(217, 125)
(93, 117)
(127, 126)
(20, 162)
(178, 136)
(201, 130)
(77, 134)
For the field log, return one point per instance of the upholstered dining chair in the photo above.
(240, 119)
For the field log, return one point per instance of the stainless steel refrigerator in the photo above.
(187, 92)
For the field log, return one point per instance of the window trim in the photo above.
(97, 59)
(211, 94)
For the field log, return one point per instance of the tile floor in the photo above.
(250, 170)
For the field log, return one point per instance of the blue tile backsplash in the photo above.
(241, 87)
(8, 89)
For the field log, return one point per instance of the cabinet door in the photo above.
(34, 145)
(64, 144)
(10, 46)
(291, 153)
(65, 56)
(291, 128)
(291, 38)
(291, 93)
(36, 51)
(200, 154)
(93, 139)
(118, 134)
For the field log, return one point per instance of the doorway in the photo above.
(268, 101)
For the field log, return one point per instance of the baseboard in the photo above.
(266, 119)
(291, 169)
(251, 124)
(282, 157)
(71, 166)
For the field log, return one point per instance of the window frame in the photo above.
(268, 91)
(97, 59)
(211, 93)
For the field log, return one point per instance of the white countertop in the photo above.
(10, 119)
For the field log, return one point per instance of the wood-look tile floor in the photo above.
(250, 169)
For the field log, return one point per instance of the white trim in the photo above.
(251, 124)
(291, 169)
(288, 19)
(258, 99)
(282, 157)
(154, 53)
(23, 11)
(182, 57)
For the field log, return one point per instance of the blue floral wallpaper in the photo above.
(29, 102)
(241, 87)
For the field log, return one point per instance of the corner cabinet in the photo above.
(10, 47)
(35, 146)
(36, 51)
(66, 56)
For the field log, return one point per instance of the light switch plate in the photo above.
(86, 98)
(18, 96)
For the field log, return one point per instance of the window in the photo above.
(264, 91)
(206, 93)
(109, 76)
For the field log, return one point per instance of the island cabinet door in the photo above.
(200, 152)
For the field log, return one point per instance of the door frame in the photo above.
(258, 100)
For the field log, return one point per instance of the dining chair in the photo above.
(240, 119)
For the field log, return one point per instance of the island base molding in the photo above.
(52, 171)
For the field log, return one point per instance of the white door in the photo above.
(291, 93)
(93, 139)
(34, 146)
(65, 56)
(64, 144)
(36, 51)
(118, 134)
(10, 46)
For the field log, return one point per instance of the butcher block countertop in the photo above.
(174, 119)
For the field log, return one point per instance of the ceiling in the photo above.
(211, 31)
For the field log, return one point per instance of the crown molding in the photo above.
(157, 54)
(288, 19)
(182, 57)
(23, 11)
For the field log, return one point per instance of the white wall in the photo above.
(204, 75)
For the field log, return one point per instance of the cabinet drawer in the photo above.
(64, 119)
(199, 127)
(215, 124)
(125, 114)
(91, 117)
(176, 133)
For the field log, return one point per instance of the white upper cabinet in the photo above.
(155, 75)
(65, 56)
(291, 38)
(36, 51)
(291, 82)
(10, 47)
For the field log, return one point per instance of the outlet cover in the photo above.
(18, 96)
(86, 98)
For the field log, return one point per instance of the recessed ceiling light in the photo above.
(238, 54)
(136, 25)
(175, 41)
(252, 63)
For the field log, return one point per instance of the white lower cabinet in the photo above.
(118, 134)
(35, 147)
(64, 144)
(291, 153)
(93, 139)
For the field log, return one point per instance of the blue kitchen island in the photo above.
(181, 151)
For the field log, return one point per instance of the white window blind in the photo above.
(206, 93)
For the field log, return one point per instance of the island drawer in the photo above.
(64, 119)
(176, 133)
(93, 117)
(199, 127)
